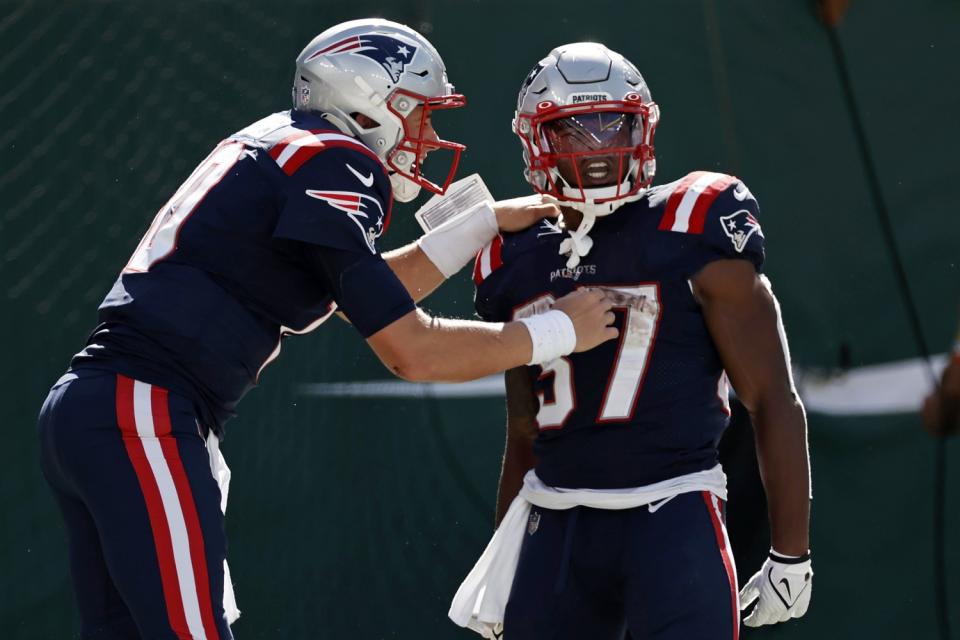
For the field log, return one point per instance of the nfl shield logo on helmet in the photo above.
(533, 523)
(739, 227)
(392, 54)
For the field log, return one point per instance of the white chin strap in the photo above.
(579, 243)
(586, 201)
(404, 189)
(596, 193)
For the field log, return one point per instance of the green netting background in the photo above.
(352, 518)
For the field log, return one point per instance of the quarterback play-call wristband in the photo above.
(457, 241)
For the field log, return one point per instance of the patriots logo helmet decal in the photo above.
(529, 80)
(392, 53)
(739, 226)
(364, 210)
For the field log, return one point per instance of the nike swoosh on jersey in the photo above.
(367, 181)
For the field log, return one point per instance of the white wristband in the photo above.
(456, 242)
(552, 335)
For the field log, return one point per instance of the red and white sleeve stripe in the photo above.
(687, 206)
(293, 151)
(488, 260)
(144, 419)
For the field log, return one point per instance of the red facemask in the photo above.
(419, 139)
(587, 146)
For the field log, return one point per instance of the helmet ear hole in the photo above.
(365, 122)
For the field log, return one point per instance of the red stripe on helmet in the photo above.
(352, 42)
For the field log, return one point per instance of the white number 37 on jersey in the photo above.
(641, 305)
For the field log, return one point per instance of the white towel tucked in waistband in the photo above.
(480, 601)
(221, 473)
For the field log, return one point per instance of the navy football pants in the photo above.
(130, 471)
(594, 573)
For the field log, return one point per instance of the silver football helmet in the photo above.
(586, 121)
(382, 70)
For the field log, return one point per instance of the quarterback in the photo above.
(275, 231)
(611, 501)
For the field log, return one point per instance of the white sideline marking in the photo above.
(886, 388)
(484, 387)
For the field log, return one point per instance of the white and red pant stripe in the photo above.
(723, 542)
(144, 420)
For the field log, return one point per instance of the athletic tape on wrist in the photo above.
(456, 242)
(552, 334)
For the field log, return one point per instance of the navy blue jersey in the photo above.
(653, 404)
(268, 236)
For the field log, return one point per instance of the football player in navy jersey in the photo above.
(274, 231)
(619, 522)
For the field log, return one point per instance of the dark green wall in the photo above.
(356, 519)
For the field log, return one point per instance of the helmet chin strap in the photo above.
(588, 204)
(579, 243)
(599, 210)
(595, 193)
(338, 123)
(404, 189)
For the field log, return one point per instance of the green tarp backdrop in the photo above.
(358, 517)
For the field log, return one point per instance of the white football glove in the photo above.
(783, 587)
